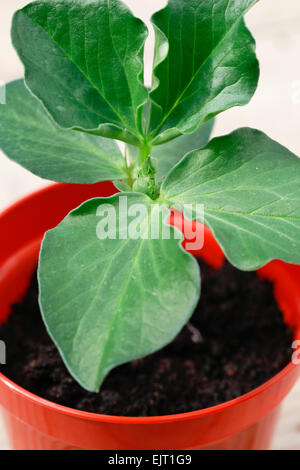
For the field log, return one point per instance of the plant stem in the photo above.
(144, 153)
(146, 178)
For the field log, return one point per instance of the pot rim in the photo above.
(113, 419)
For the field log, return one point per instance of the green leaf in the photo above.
(29, 137)
(108, 301)
(250, 188)
(84, 60)
(210, 66)
(167, 155)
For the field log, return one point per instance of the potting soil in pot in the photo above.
(235, 341)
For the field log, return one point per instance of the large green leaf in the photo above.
(210, 66)
(84, 60)
(250, 188)
(30, 137)
(108, 301)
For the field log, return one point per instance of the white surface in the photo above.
(275, 109)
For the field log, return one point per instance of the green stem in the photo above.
(144, 153)
(146, 178)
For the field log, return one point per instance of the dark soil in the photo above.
(243, 343)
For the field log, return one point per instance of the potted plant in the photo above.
(115, 284)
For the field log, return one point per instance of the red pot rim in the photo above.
(151, 419)
(134, 420)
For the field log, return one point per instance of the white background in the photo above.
(275, 109)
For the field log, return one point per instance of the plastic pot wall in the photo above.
(246, 422)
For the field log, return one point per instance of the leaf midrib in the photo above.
(253, 234)
(251, 214)
(178, 100)
(116, 309)
(126, 126)
(52, 130)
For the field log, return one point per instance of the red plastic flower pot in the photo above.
(246, 422)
